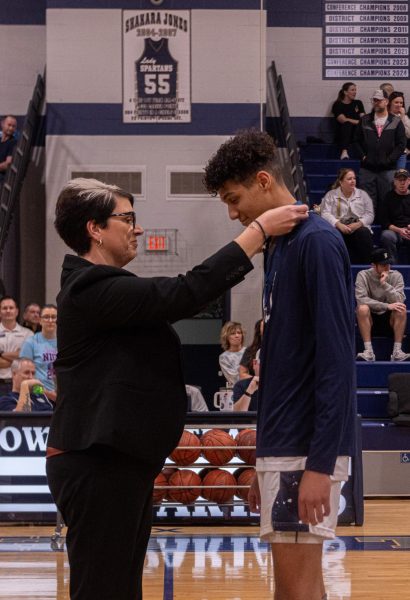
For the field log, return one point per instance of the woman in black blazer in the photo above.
(121, 395)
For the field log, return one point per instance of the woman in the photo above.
(347, 112)
(396, 107)
(232, 336)
(121, 395)
(246, 364)
(350, 210)
(41, 348)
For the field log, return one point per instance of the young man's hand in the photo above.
(254, 496)
(314, 497)
(397, 306)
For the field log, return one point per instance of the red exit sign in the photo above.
(156, 243)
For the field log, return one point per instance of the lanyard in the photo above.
(272, 258)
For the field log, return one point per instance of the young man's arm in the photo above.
(329, 298)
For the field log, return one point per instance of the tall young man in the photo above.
(306, 405)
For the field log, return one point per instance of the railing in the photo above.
(16, 173)
(277, 90)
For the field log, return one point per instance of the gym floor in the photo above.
(224, 563)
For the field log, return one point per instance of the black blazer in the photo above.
(119, 374)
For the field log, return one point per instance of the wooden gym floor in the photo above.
(220, 563)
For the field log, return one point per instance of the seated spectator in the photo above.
(7, 143)
(12, 337)
(232, 336)
(23, 398)
(41, 348)
(350, 210)
(31, 317)
(347, 111)
(196, 400)
(397, 108)
(246, 364)
(245, 391)
(381, 140)
(380, 306)
(395, 215)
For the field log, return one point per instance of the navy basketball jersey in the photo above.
(156, 75)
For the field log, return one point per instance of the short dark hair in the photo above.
(83, 200)
(240, 158)
(47, 306)
(9, 298)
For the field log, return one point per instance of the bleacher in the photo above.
(321, 164)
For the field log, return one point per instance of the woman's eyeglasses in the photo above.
(49, 317)
(128, 217)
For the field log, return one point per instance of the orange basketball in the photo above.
(178, 492)
(217, 437)
(168, 471)
(247, 437)
(219, 479)
(159, 495)
(187, 456)
(244, 477)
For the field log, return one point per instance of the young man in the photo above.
(395, 215)
(12, 337)
(381, 140)
(380, 305)
(306, 404)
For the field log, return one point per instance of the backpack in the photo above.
(398, 405)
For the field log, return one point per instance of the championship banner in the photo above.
(156, 66)
(366, 40)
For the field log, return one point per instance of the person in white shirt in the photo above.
(12, 337)
(350, 210)
(232, 337)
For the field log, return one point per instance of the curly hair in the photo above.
(240, 158)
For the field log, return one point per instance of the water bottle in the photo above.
(38, 389)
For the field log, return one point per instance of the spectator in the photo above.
(245, 391)
(246, 364)
(31, 317)
(196, 400)
(350, 210)
(380, 305)
(388, 88)
(232, 336)
(381, 140)
(397, 108)
(22, 397)
(41, 348)
(12, 337)
(395, 215)
(7, 143)
(347, 112)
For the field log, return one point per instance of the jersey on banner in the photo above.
(156, 66)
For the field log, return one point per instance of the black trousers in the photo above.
(359, 245)
(105, 498)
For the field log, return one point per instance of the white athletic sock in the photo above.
(396, 347)
(368, 346)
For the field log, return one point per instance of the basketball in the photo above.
(159, 495)
(245, 477)
(186, 495)
(220, 479)
(217, 437)
(186, 456)
(247, 437)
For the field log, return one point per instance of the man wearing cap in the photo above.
(381, 140)
(395, 215)
(380, 305)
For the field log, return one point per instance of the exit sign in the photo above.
(156, 243)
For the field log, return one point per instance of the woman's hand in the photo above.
(279, 221)
(344, 229)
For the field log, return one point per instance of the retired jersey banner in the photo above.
(156, 66)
